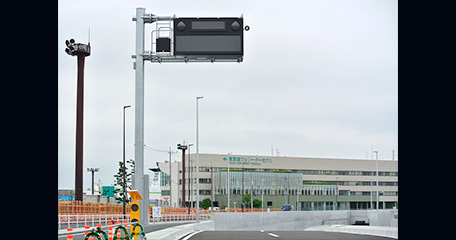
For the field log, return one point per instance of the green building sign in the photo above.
(107, 191)
(248, 160)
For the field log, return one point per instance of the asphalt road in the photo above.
(276, 235)
(147, 229)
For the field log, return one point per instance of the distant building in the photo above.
(65, 194)
(155, 197)
(306, 183)
(69, 195)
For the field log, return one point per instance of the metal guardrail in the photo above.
(77, 221)
(95, 233)
(83, 220)
(90, 229)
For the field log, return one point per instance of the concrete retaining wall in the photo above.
(296, 221)
(299, 220)
(359, 215)
(381, 218)
(391, 232)
(336, 221)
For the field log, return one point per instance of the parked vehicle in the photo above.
(287, 207)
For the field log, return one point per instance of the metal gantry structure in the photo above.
(178, 40)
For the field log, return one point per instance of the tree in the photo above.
(247, 200)
(118, 182)
(205, 204)
(256, 203)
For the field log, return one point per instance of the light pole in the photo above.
(288, 189)
(336, 193)
(287, 196)
(197, 164)
(228, 180)
(93, 170)
(371, 193)
(262, 188)
(242, 204)
(81, 51)
(298, 206)
(124, 168)
(251, 196)
(183, 147)
(376, 153)
(189, 179)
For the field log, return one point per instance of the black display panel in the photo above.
(208, 36)
(208, 25)
(208, 44)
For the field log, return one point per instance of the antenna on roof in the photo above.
(89, 37)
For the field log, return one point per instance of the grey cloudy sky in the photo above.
(319, 79)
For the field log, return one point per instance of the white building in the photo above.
(307, 183)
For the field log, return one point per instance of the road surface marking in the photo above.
(274, 235)
(191, 235)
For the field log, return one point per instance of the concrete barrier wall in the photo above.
(359, 215)
(298, 220)
(381, 218)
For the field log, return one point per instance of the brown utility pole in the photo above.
(183, 148)
(81, 51)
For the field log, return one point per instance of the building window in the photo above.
(205, 169)
(205, 192)
(269, 204)
(344, 192)
(204, 180)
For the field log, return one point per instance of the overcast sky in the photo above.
(319, 79)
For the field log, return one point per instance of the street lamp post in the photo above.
(81, 51)
(183, 147)
(197, 164)
(262, 188)
(242, 204)
(93, 170)
(189, 179)
(336, 192)
(228, 180)
(124, 168)
(251, 196)
(376, 153)
(371, 207)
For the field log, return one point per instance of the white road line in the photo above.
(274, 235)
(191, 235)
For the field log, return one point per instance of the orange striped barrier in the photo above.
(110, 231)
(100, 235)
(118, 232)
(69, 236)
(125, 225)
(86, 227)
